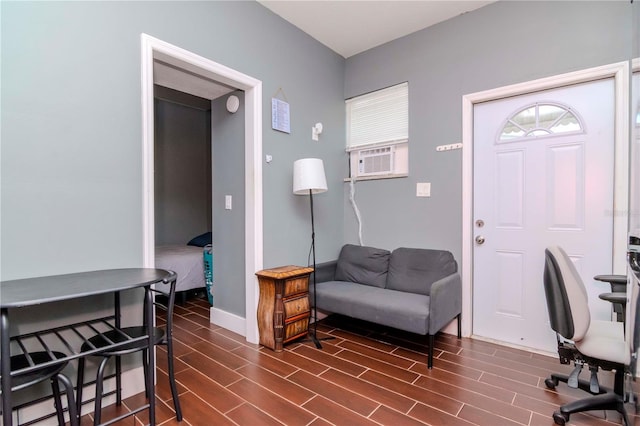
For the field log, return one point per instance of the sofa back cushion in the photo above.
(363, 265)
(414, 270)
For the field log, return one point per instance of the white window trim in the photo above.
(377, 145)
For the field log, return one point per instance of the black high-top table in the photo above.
(22, 293)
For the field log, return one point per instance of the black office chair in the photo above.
(582, 340)
(161, 336)
(21, 380)
(617, 295)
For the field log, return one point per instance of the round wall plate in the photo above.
(233, 103)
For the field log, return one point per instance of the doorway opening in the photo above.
(184, 61)
(619, 72)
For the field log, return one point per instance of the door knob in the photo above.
(479, 240)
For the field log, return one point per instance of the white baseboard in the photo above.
(132, 383)
(452, 328)
(229, 321)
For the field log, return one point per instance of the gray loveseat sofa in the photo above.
(415, 290)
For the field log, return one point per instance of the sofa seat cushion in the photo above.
(414, 270)
(363, 265)
(397, 309)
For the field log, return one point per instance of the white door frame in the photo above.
(620, 73)
(155, 48)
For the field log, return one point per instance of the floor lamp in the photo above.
(309, 179)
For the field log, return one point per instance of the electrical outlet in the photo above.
(423, 189)
(227, 202)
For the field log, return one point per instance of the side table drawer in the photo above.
(296, 285)
(296, 329)
(297, 306)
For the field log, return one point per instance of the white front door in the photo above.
(543, 175)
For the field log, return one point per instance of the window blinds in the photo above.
(380, 117)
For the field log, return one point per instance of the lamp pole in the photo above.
(308, 176)
(314, 337)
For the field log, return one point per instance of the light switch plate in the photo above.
(227, 202)
(423, 189)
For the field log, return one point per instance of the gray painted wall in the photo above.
(71, 166)
(71, 154)
(497, 45)
(228, 225)
(182, 172)
(71, 126)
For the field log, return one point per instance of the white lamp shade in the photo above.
(308, 174)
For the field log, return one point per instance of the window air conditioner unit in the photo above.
(375, 161)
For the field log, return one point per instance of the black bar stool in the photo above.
(27, 360)
(161, 336)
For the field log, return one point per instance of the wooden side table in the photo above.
(283, 308)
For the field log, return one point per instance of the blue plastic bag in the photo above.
(208, 271)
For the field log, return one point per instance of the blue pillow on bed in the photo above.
(201, 240)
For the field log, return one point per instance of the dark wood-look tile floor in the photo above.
(364, 375)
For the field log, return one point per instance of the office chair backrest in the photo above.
(567, 300)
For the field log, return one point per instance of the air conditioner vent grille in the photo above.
(375, 161)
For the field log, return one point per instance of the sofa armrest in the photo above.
(445, 302)
(326, 271)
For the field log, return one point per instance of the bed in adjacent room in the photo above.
(187, 262)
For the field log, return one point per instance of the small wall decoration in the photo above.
(233, 103)
(280, 118)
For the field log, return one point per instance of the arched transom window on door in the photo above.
(540, 119)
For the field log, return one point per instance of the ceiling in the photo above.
(350, 27)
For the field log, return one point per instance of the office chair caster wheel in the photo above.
(551, 383)
(560, 418)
